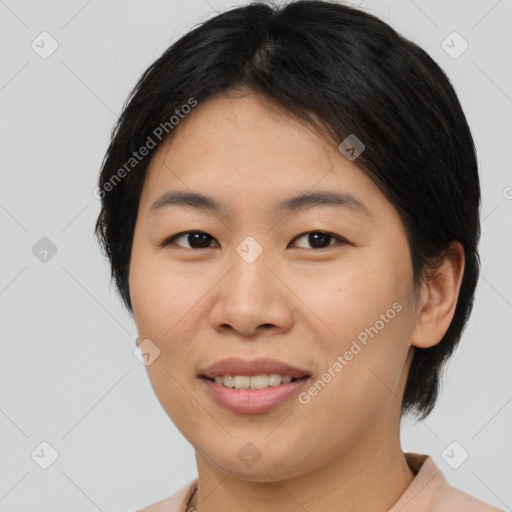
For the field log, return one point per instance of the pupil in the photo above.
(202, 242)
(316, 239)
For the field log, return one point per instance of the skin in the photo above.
(296, 303)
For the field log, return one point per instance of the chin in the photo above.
(263, 465)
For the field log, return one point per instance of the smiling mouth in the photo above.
(252, 386)
(254, 382)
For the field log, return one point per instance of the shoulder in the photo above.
(450, 498)
(431, 492)
(175, 503)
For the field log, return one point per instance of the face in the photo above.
(320, 292)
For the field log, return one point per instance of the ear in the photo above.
(438, 298)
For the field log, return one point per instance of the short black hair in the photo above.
(344, 72)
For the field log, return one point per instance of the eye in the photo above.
(319, 239)
(202, 240)
(196, 239)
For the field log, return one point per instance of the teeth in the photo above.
(254, 382)
(258, 381)
(274, 379)
(240, 382)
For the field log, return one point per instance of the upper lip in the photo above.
(261, 366)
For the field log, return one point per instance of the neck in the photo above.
(370, 478)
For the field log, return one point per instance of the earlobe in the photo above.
(439, 294)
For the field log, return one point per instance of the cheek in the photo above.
(352, 295)
(367, 310)
(161, 297)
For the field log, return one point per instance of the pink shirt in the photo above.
(428, 492)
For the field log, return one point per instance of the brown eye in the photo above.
(195, 239)
(319, 239)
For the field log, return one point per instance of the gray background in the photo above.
(68, 375)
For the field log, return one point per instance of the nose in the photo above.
(252, 299)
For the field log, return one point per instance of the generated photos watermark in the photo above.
(355, 348)
(158, 134)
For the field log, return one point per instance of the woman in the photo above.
(290, 206)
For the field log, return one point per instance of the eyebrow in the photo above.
(292, 204)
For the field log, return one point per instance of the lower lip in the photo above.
(253, 401)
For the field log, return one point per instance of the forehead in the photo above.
(242, 147)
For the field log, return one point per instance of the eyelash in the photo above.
(171, 239)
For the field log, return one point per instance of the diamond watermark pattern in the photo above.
(249, 455)
(351, 147)
(44, 250)
(454, 455)
(249, 249)
(44, 455)
(44, 45)
(146, 352)
(454, 45)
